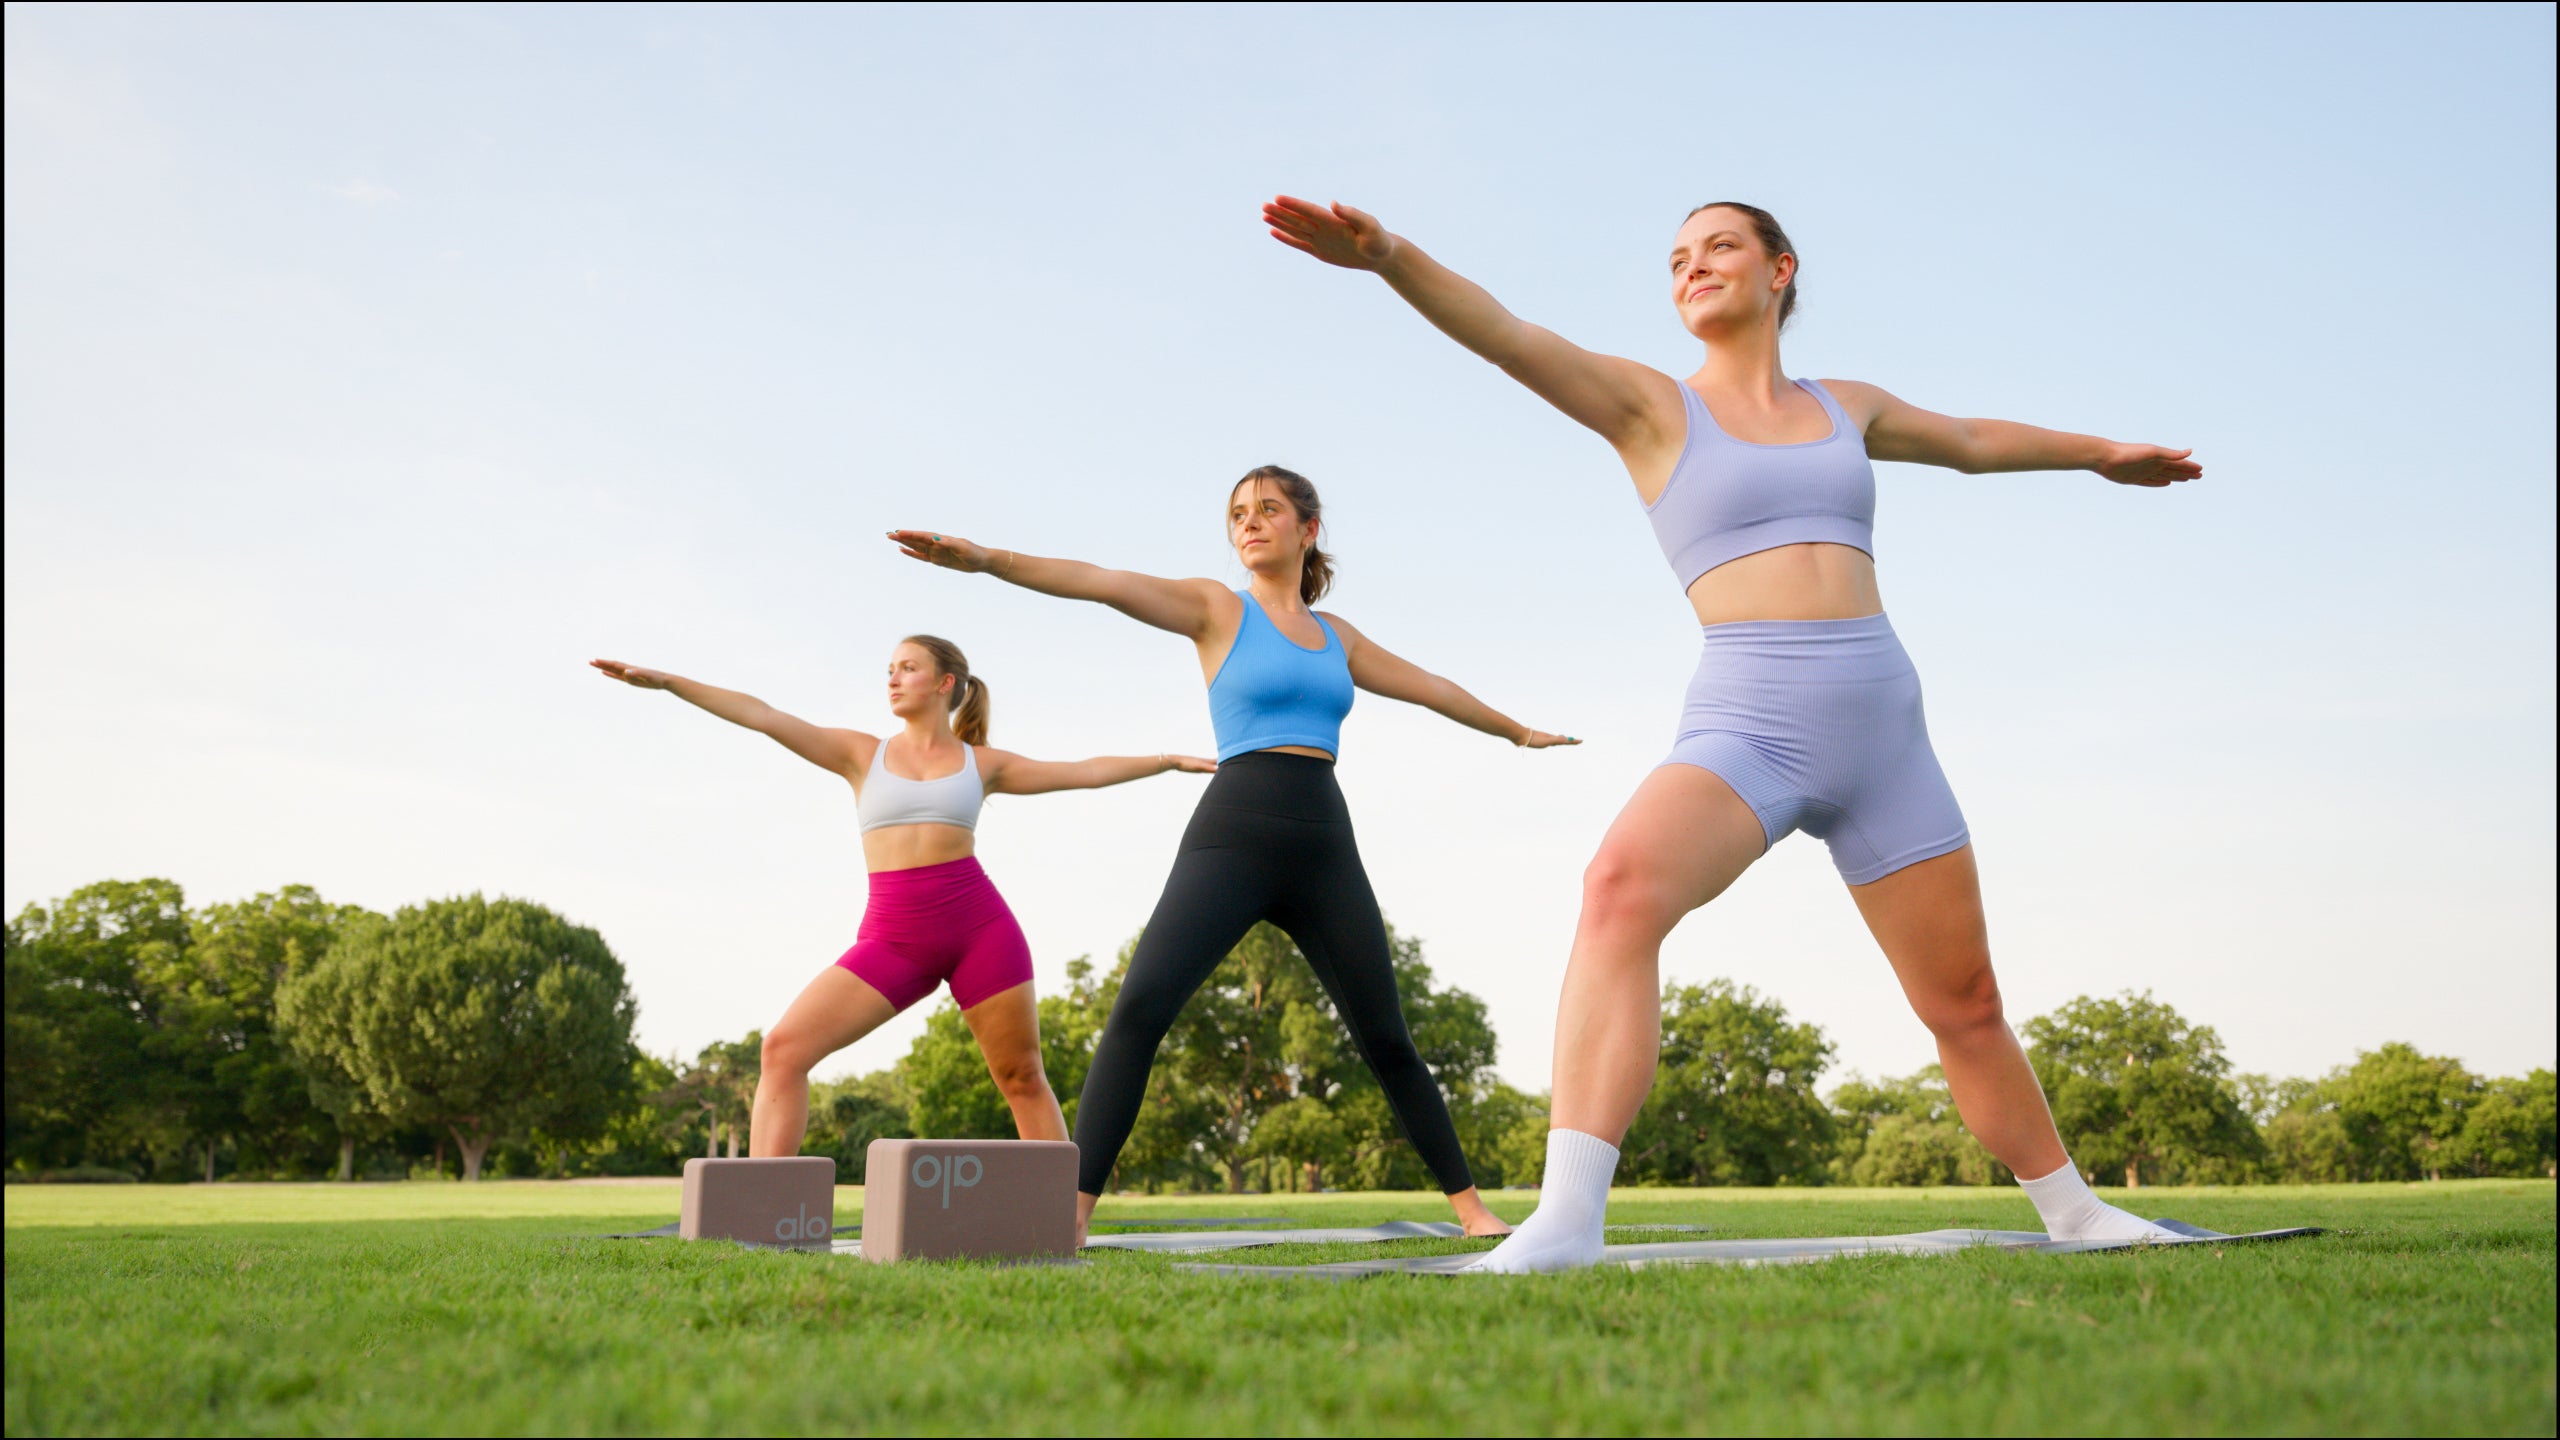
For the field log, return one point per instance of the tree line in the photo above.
(286, 1037)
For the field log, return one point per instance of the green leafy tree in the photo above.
(2306, 1141)
(1504, 1130)
(724, 1080)
(1907, 1132)
(845, 1116)
(648, 1134)
(91, 1078)
(2141, 1095)
(2400, 1109)
(489, 1018)
(217, 999)
(2509, 1130)
(1733, 1099)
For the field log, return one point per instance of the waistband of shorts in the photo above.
(1862, 627)
(928, 886)
(1801, 639)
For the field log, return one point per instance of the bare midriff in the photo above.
(1309, 751)
(906, 847)
(1792, 582)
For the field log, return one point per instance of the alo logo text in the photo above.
(931, 1170)
(804, 1227)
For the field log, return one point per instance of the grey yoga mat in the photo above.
(1198, 1241)
(1767, 1252)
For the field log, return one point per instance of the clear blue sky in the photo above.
(368, 370)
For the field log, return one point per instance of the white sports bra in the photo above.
(891, 799)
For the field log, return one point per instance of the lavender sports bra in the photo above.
(1729, 498)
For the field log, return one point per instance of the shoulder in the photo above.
(1863, 401)
(1344, 628)
(992, 762)
(1223, 603)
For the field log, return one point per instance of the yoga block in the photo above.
(787, 1200)
(943, 1199)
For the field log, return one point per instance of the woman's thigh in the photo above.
(1927, 917)
(1007, 1025)
(836, 1009)
(1681, 840)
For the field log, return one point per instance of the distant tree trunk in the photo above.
(712, 1150)
(346, 1157)
(2133, 1174)
(1235, 1176)
(733, 1142)
(1311, 1177)
(472, 1152)
(208, 1160)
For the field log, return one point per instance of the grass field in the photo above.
(490, 1308)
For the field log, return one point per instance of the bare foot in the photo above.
(1084, 1216)
(1474, 1217)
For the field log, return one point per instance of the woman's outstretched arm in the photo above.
(1380, 672)
(1899, 430)
(1185, 607)
(1011, 774)
(841, 751)
(1632, 406)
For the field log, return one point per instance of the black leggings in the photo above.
(1270, 841)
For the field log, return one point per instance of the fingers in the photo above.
(1307, 211)
(1360, 220)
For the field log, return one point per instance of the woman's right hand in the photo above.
(948, 551)
(1335, 234)
(637, 675)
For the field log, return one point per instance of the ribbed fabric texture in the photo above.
(1573, 1201)
(1576, 1187)
(2072, 1211)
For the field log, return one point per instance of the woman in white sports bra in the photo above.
(933, 915)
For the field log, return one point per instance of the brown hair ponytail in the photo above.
(970, 705)
(1317, 577)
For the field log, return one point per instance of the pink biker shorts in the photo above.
(936, 923)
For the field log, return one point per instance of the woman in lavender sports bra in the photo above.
(1804, 713)
(933, 916)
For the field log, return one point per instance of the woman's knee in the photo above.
(1018, 1076)
(1624, 892)
(1963, 1006)
(787, 1054)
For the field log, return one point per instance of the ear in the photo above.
(1784, 272)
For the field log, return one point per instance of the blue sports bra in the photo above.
(1729, 498)
(1273, 691)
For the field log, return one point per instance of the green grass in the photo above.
(490, 1308)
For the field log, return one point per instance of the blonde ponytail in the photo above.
(970, 703)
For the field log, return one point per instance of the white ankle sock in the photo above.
(1573, 1201)
(2072, 1212)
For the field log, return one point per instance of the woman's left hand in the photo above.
(1540, 740)
(948, 551)
(1193, 765)
(2148, 465)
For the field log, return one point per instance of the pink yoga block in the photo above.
(781, 1201)
(944, 1199)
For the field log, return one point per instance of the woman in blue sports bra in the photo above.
(1272, 838)
(1805, 712)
